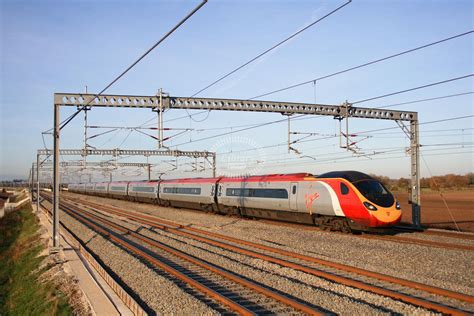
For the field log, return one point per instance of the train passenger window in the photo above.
(143, 189)
(294, 189)
(344, 189)
(179, 190)
(114, 188)
(260, 193)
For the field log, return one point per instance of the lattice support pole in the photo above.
(415, 174)
(32, 180)
(56, 133)
(37, 182)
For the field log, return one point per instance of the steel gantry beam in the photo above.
(129, 152)
(98, 164)
(163, 102)
(101, 164)
(169, 102)
(98, 152)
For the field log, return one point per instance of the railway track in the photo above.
(238, 294)
(449, 234)
(395, 238)
(421, 242)
(376, 283)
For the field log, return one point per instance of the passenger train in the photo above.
(344, 201)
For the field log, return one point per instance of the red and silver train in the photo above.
(340, 200)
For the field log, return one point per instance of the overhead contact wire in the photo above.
(362, 65)
(271, 48)
(413, 89)
(64, 123)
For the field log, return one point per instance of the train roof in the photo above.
(191, 180)
(269, 177)
(351, 176)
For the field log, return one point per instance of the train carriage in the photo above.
(77, 188)
(89, 188)
(118, 190)
(340, 200)
(143, 191)
(268, 196)
(197, 193)
(71, 187)
(81, 188)
(101, 189)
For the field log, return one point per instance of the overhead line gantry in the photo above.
(56, 152)
(162, 102)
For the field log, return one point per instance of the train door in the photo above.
(293, 196)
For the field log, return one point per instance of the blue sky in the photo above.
(62, 46)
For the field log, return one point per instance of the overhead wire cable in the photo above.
(110, 138)
(368, 150)
(103, 133)
(190, 116)
(141, 132)
(65, 122)
(347, 155)
(361, 65)
(271, 48)
(356, 159)
(433, 130)
(126, 137)
(362, 132)
(299, 116)
(413, 89)
(352, 158)
(424, 100)
(236, 131)
(304, 117)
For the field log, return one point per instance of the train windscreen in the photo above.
(375, 192)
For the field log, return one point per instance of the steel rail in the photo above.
(339, 266)
(170, 270)
(180, 229)
(449, 234)
(72, 239)
(400, 239)
(420, 242)
(230, 276)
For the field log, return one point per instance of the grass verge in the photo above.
(22, 291)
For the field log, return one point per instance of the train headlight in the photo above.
(397, 206)
(369, 206)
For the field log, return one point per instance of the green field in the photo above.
(21, 292)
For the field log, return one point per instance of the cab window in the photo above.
(344, 189)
